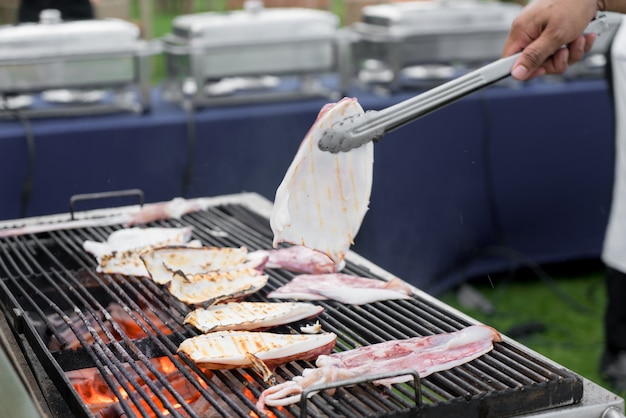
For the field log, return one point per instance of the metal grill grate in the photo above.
(52, 295)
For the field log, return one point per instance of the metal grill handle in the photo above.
(105, 195)
(362, 379)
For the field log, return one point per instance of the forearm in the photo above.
(618, 6)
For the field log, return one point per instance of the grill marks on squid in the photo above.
(323, 197)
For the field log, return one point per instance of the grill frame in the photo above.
(357, 265)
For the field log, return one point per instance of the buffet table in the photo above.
(512, 174)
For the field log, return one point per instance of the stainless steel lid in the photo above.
(254, 24)
(53, 37)
(437, 17)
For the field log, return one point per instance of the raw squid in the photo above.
(161, 263)
(343, 288)
(250, 315)
(425, 355)
(323, 197)
(298, 259)
(233, 349)
(216, 286)
(173, 209)
(123, 248)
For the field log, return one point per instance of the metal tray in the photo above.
(405, 34)
(89, 54)
(255, 42)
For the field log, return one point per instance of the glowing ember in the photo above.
(248, 394)
(173, 391)
(129, 325)
(103, 403)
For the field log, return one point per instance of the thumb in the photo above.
(533, 56)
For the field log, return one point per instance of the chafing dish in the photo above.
(95, 65)
(257, 52)
(397, 36)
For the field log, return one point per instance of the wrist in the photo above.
(618, 6)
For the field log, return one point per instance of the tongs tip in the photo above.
(345, 135)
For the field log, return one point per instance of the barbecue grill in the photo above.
(105, 345)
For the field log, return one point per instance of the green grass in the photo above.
(563, 304)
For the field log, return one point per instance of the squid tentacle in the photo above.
(290, 392)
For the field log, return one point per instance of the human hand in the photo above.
(550, 35)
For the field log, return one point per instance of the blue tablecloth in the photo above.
(502, 180)
(516, 173)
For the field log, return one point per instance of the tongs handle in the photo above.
(406, 111)
(372, 125)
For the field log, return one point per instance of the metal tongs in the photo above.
(355, 131)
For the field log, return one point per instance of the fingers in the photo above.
(557, 64)
(590, 39)
(577, 50)
(542, 28)
(532, 64)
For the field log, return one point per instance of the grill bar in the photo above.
(362, 379)
(129, 358)
(164, 344)
(106, 355)
(51, 279)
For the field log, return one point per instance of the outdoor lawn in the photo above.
(556, 311)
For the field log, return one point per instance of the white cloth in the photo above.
(614, 250)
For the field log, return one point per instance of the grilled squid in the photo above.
(250, 315)
(233, 349)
